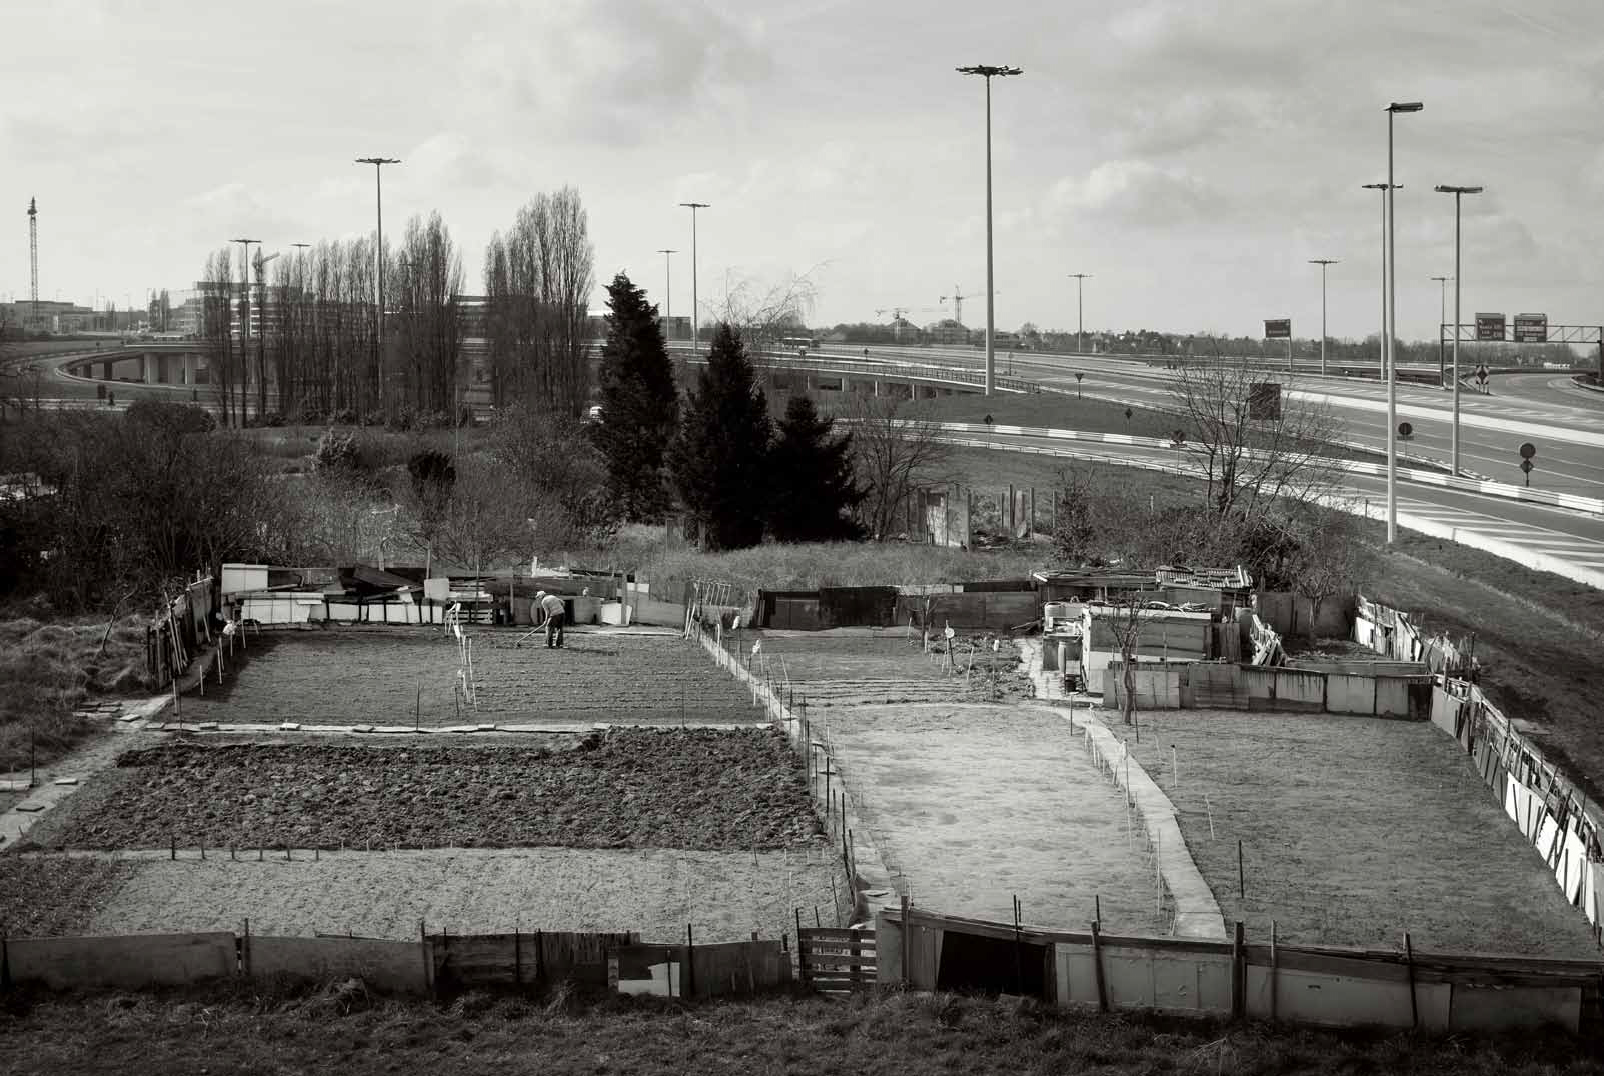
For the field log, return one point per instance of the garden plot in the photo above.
(1353, 831)
(975, 804)
(399, 676)
(724, 896)
(854, 667)
(698, 789)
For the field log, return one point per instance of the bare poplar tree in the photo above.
(217, 329)
(428, 292)
(538, 280)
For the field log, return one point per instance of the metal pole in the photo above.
(1323, 318)
(991, 296)
(696, 331)
(1392, 354)
(1080, 315)
(668, 290)
(1442, 321)
(378, 256)
(1454, 462)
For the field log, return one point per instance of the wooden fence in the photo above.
(436, 963)
(1328, 986)
(836, 961)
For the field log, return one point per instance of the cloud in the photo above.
(1137, 193)
(613, 72)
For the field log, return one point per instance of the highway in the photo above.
(1566, 423)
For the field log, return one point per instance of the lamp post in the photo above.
(245, 327)
(696, 322)
(1442, 320)
(378, 164)
(1392, 328)
(1458, 193)
(1381, 339)
(1322, 263)
(989, 72)
(1080, 311)
(668, 289)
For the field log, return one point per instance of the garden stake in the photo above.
(1210, 810)
(259, 853)
(203, 849)
(172, 852)
(1241, 884)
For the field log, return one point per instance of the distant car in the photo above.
(593, 413)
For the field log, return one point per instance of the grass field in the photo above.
(1354, 830)
(47, 669)
(893, 1034)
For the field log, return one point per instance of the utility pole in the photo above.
(1392, 328)
(1080, 312)
(668, 290)
(696, 321)
(989, 72)
(1442, 321)
(1322, 263)
(245, 328)
(1458, 193)
(378, 164)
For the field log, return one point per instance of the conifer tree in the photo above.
(814, 485)
(639, 403)
(719, 460)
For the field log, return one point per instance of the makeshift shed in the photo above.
(1169, 635)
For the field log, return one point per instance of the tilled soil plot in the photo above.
(724, 895)
(856, 668)
(405, 676)
(45, 897)
(632, 788)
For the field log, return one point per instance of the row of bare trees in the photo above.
(313, 347)
(538, 279)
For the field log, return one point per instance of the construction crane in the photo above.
(957, 298)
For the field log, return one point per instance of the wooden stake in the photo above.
(1097, 965)
(1210, 810)
(1409, 961)
(1275, 964)
(1241, 879)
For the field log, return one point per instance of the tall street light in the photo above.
(1392, 328)
(1322, 263)
(1458, 193)
(989, 72)
(1442, 320)
(245, 325)
(668, 289)
(378, 164)
(1080, 311)
(1381, 339)
(696, 323)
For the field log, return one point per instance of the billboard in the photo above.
(1531, 328)
(1264, 400)
(1489, 326)
(1278, 328)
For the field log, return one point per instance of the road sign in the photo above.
(1405, 430)
(1264, 400)
(1531, 328)
(1528, 450)
(1489, 326)
(1526, 465)
(1178, 437)
(1481, 374)
(1278, 328)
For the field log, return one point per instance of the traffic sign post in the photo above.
(1405, 431)
(1280, 329)
(1079, 377)
(1527, 451)
(1177, 439)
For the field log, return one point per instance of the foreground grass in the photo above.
(47, 669)
(889, 1034)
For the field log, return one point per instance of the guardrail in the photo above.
(937, 372)
(1486, 487)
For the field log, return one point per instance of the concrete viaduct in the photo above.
(179, 364)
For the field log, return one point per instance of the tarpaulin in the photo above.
(1572, 866)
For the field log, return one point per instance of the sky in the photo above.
(1191, 155)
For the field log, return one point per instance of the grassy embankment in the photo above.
(46, 670)
(341, 1028)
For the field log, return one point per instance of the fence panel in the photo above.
(837, 961)
(131, 961)
(395, 966)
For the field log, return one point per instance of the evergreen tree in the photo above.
(639, 403)
(719, 460)
(814, 486)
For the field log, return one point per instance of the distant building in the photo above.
(947, 331)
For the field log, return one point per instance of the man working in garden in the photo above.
(552, 606)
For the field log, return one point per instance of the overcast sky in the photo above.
(1192, 155)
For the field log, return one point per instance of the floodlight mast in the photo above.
(989, 72)
(1458, 193)
(378, 164)
(1392, 328)
(1322, 263)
